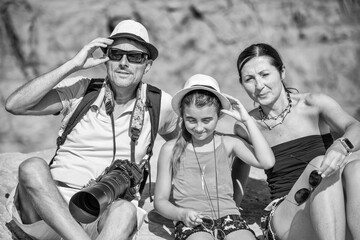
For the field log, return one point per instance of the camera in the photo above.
(119, 180)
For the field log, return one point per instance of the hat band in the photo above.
(207, 86)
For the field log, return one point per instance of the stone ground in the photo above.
(155, 226)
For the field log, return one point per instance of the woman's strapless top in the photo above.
(291, 160)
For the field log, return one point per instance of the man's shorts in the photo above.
(41, 231)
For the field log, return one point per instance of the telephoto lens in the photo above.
(90, 202)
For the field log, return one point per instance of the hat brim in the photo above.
(176, 100)
(151, 48)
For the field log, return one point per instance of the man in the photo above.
(40, 203)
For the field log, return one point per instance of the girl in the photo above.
(198, 164)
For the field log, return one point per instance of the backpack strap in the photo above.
(153, 103)
(89, 98)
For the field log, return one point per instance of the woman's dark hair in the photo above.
(257, 50)
(199, 98)
(262, 49)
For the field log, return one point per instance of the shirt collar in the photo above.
(100, 98)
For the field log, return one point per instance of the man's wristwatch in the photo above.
(346, 144)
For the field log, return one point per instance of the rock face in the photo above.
(318, 40)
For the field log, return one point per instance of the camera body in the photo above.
(119, 180)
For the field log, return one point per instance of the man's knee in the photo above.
(120, 214)
(123, 208)
(32, 169)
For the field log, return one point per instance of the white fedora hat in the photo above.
(199, 82)
(136, 31)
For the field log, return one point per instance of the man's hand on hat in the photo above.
(237, 111)
(84, 58)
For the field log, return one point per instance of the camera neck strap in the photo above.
(136, 125)
(136, 122)
(109, 107)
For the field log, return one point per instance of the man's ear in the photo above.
(148, 65)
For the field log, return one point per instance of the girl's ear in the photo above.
(283, 73)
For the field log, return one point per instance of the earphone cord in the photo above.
(216, 180)
(205, 184)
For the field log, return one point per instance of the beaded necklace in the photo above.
(281, 116)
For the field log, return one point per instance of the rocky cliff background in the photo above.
(318, 40)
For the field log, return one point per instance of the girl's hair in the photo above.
(199, 98)
(258, 50)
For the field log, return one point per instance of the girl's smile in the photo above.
(200, 122)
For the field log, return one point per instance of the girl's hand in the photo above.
(238, 111)
(191, 218)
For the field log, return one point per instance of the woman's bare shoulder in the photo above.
(316, 99)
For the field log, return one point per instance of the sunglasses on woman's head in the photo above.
(315, 178)
(115, 54)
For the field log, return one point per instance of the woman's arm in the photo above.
(163, 189)
(339, 122)
(260, 154)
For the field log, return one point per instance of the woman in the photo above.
(198, 164)
(308, 204)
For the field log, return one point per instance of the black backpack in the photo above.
(153, 103)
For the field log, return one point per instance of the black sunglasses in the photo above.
(213, 228)
(115, 54)
(303, 194)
